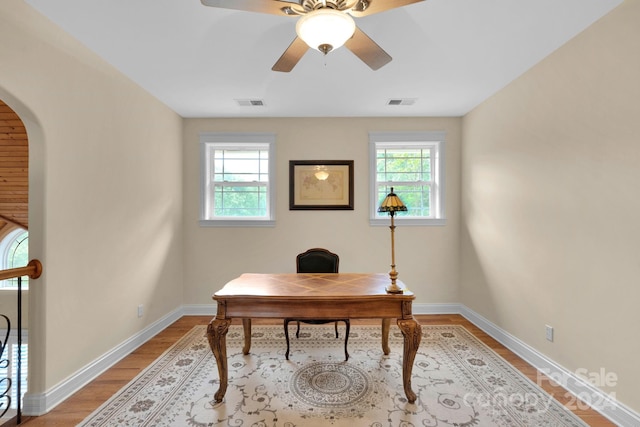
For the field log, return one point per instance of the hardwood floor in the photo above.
(81, 404)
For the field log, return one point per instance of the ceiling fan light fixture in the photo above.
(325, 29)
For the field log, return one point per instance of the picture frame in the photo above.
(321, 185)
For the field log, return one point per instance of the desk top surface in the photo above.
(316, 285)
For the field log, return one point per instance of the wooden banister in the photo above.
(33, 270)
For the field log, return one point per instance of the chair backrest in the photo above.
(317, 260)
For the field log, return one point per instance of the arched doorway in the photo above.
(14, 229)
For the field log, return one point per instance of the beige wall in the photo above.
(426, 257)
(105, 196)
(550, 194)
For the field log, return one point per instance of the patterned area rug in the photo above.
(459, 382)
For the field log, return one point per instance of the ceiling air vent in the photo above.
(250, 102)
(401, 101)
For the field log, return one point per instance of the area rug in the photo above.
(458, 379)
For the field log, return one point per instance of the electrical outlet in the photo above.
(140, 310)
(549, 332)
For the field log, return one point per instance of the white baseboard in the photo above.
(596, 398)
(41, 403)
(452, 308)
(200, 309)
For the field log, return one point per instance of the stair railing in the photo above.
(33, 270)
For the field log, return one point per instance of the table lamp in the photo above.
(392, 204)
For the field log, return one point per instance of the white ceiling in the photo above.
(448, 55)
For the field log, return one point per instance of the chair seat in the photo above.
(320, 321)
(347, 324)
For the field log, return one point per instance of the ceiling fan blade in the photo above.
(273, 7)
(365, 8)
(367, 50)
(291, 56)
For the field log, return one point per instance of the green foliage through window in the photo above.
(239, 182)
(409, 172)
(410, 163)
(237, 178)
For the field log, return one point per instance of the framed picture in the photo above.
(321, 184)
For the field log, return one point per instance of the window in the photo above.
(413, 164)
(237, 179)
(14, 250)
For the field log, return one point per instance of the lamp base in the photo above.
(393, 275)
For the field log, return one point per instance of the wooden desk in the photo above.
(313, 296)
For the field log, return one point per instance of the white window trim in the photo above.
(5, 246)
(411, 139)
(239, 138)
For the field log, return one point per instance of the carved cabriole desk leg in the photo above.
(246, 325)
(217, 335)
(412, 332)
(386, 325)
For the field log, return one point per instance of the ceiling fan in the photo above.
(324, 25)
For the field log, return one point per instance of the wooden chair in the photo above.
(317, 260)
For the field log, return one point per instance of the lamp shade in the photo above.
(325, 29)
(392, 204)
